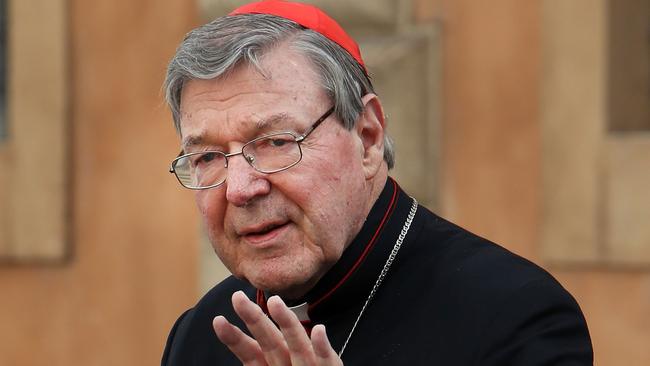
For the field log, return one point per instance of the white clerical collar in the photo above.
(301, 311)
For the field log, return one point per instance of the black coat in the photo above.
(449, 298)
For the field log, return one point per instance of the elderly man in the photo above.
(285, 145)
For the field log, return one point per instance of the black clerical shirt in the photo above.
(449, 298)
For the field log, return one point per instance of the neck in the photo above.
(374, 187)
(345, 282)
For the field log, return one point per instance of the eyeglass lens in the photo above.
(268, 154)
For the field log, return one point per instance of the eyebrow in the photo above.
(193, 140)
(261, 125)
(272, 120)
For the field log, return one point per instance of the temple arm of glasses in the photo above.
(171, 168)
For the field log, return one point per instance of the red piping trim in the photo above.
(369, 246)
(261, 301)
(307, 325)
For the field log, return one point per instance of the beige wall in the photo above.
(490, 153)
(494, 69)
(134, 266)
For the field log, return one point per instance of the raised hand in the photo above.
(286, 344)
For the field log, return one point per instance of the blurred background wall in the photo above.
(527, 143)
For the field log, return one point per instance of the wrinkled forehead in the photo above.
(286, 92)
(279, 70)
(255, 125)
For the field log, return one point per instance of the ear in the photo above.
(370, 129)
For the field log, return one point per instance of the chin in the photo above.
(290, 285)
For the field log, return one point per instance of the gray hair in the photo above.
(216, 48)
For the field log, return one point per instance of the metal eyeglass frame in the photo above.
(250, 159)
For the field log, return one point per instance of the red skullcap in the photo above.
(308, 16)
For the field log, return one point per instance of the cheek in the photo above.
(211, 207)
(331, 197)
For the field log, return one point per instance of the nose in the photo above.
(243, 182)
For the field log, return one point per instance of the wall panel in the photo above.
(133, 269)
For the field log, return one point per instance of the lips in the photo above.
(264, 232)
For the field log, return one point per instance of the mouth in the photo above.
(264, 233)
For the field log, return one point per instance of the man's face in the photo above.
(282, 231)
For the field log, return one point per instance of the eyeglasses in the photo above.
(267, 154)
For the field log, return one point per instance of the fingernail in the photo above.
(276, 298)
(322, 326)
(218, 318)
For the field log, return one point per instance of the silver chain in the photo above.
(389, 261)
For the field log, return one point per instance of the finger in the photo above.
(298, 342)
(325, 354)
(267, 335)
(239, 343)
